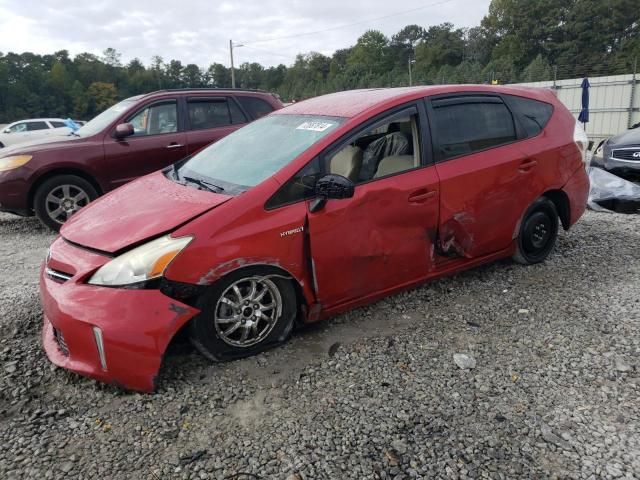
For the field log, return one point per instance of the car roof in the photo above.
(350, 103)
(186, 91)
(39, 120)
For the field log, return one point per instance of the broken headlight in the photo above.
(143, 263)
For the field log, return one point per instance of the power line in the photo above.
(442, 2)
(268, 51)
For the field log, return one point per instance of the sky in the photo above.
(198, 31)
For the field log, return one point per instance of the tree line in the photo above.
(517, 40)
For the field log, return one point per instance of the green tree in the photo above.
(101, 96)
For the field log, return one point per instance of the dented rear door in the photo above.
(486, 182)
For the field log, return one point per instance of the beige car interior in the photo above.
(348, 161)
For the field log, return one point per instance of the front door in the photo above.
(157, 142)
(382, 237)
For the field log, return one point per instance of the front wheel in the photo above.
(58, 198)
(243, 314)
(538, 232)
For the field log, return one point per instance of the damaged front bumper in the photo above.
(113, 335)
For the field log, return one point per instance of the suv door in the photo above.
(158, 141)
(381, 238)
(486, 183)
(210, 118)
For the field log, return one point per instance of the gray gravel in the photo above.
(374, 393)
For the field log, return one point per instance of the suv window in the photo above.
(211, 113)
(533, 115)
(256, 107)
(463, 126)
(33, 126)
(156, 119)
(18, 127)
(57, 124)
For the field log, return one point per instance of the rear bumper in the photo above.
(577, 190)
(113, 335)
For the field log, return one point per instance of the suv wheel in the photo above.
(58, 198)
(538, 232)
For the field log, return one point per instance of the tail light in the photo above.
(581, 140)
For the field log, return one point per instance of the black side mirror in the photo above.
(124, 130)
(331, 186)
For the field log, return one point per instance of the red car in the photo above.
(57, 176)
(320, 207)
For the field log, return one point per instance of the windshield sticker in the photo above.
(315, 126)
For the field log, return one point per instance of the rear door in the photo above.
(159, 140)
(210, 118)
(382, 237)
(486, 181)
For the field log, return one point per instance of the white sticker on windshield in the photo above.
(315, 126)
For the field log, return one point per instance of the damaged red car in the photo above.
(323, 206)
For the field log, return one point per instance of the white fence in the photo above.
(614, 102)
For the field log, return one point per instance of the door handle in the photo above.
(421, 195)
(527, 165)
(174, 145)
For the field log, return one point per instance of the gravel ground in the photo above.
(375, 393)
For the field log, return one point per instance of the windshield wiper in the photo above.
(212, 187)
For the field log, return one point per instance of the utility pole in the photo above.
(410, 79)
(233, 75)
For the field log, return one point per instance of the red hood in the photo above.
(145, 208)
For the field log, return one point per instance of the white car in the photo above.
(34, 129)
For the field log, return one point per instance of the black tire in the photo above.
(207, 336)
(538, 232)
(78, 188)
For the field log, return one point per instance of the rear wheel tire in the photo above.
(538, 232)
(243, 314)
(58, 198)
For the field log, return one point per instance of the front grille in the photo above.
(632, 154)
(57, 275)
(62, 345)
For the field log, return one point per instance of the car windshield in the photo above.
(255, 152)
(99, 123)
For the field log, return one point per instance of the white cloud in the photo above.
(198, 31)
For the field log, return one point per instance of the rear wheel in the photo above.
(243, 314)
(58, 198)
(538, 232)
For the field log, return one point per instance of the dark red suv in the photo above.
(55, 178)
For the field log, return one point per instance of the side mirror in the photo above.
(331, 186)
(6, 130)
(124, 130)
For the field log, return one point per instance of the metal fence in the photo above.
(614, 102)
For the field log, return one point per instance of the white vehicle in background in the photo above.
(34, 129)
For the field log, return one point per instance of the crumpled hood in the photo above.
(145, 208)
(34, 146)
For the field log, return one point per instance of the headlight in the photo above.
(9, 163)
(141, 264)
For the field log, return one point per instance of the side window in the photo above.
(156, 119)
(385, 149)
(56, 124)
(533, 115)
(255, 106)
(236, 114)
(33, 126)
(461, 128)
(300, 187)
(18, 127)
(211, 113)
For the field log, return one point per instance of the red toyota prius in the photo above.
(328, 204)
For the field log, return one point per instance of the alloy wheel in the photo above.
(247, 311)
(65, 200)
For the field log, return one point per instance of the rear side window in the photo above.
(256, 107)
(57, 124)
(208, 114)
(31, 126)
(533, 115)
(462, 127)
